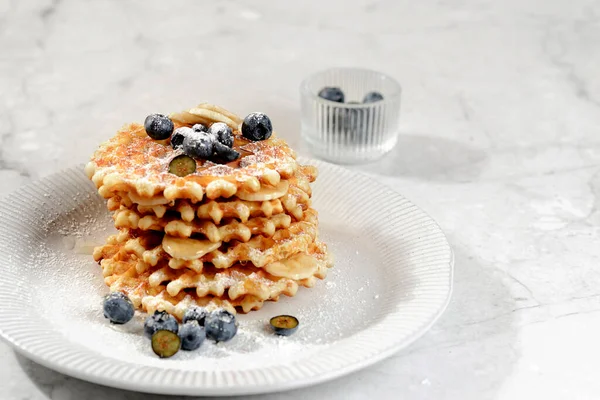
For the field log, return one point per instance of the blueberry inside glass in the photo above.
(372, 97)
(332, 94)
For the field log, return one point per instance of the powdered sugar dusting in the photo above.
(52, 294)
(214, 169)
(69, 289)
(131, 157)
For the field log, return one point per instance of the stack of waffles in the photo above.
(229, 235)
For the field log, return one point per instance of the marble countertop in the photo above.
(500, 143)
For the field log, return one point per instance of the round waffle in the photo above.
(228, 235)
(224, 232)
(160, 286)
(152, 246)
(134, 163)
(295, 200)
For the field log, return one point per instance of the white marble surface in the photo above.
(500, 144)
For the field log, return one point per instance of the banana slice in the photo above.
(267, 193)
(299, 266)
(144, 201)
(188, 249)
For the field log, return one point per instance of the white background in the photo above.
(500, 144)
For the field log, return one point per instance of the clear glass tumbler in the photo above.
(353, 131)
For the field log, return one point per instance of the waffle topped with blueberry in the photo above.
(193, 155)
(212, 211)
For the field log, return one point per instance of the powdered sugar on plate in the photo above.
(69, 288)
(52, 292)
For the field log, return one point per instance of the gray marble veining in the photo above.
(500, 144)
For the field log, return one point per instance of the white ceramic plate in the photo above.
(391, 281)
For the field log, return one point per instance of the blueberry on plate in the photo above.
(178, 136)
(332, 94)
(372, 97)
(257, 126)
(223, 133)
(182, 165)
(284, 325)
(192, 335)
(118, 308)
(198, 145)
(165, 343)
(225, 153)
(195, 313)
(160, 320)
(158, 126)
(220, 326)
(200, 128)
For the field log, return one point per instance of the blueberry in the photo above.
(179, 135)
(182, 165)
(220, 326)
(284, 325)
(118, 308)
(225, 153)
(223, 133)
(195, 313)
(158, 126)
(165, 343)
(198, 145)
(372, 97)
(192, 335)
(257, 126)
(160, 321)
(355, 119)
(332, 94)
(200, 128)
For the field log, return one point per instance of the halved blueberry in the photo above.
(192, 335)
(372, 97)
(199, 145)
(284, 325)
(118, 308)
(222, 132)
(220, 326)
(160, 320)
(332, 94)
(158, 126)
(182, 165)
(165, 343)
(257, 126)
